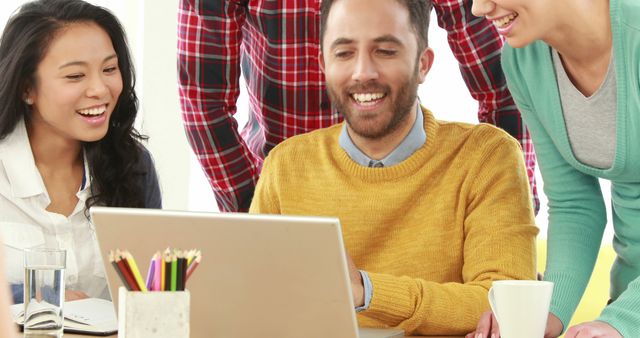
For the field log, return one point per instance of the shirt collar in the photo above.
(19, 165)
(412, 142)
(23, 175)
(86, 182)
(85, 187)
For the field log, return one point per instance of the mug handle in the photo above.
(492, 303)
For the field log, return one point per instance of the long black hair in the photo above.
(116, 161)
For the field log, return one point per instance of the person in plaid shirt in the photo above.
(276, 44)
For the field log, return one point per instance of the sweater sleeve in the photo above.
(499, 235)
(265, 200)
(577, 215)
(623, 314)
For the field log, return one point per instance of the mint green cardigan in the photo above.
(577, 215)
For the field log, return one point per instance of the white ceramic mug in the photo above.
(521, 307)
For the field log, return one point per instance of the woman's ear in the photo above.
(27, 97)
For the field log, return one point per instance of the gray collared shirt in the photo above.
(412, 142)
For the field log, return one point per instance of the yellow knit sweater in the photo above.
(433, 231)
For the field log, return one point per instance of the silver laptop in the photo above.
(260, 275)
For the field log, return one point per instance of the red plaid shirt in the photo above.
(275, 43)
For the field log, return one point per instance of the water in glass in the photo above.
(44, 296)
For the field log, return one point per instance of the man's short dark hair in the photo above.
(419, 11)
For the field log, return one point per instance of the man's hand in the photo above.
(592, 329)
(357, 285)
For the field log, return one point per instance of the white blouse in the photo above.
(25, 222)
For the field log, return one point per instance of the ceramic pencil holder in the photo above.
(153, 314)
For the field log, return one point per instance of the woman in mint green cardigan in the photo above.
(573, 67)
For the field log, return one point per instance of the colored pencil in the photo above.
(194, 254)
(190, 256)
(151, 273)
(126, 271)
(182, 262)
(193, 267)
(117, 268)
(158, 271)
(162, 273)
(174, 272)
(167, 272)
(184, 274)
(134, 269)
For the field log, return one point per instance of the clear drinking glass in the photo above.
(44, 292)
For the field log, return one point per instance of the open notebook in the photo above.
(91, 316)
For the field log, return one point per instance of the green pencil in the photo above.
(174, 272)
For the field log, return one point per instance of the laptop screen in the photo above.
(260, 275)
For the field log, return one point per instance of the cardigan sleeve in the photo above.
(623, 313)
(577, 215)
(499, 237)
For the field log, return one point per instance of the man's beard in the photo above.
(401, 105)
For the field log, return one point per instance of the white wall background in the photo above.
(151, 27)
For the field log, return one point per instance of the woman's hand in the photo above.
(488, 327)
(554, 327)
(592, 329)
(74, 295)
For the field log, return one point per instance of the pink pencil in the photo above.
(158, 272)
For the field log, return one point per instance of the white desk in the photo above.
(80, 336)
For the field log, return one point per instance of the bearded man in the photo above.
(432, 212)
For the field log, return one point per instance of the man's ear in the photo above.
(321, 61)
(425, 62)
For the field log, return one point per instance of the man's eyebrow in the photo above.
(341, 41)
(81, 63)
(388, 38)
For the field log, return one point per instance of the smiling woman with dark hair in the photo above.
(67, 141)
